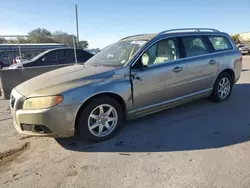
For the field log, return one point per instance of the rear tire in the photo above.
(222, 88)
(99, 120)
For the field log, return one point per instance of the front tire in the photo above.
(222, 88)
(99, 120)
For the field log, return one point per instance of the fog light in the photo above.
(42, 129)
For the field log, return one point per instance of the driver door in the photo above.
(162, 77)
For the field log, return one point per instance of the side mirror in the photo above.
(139, 65)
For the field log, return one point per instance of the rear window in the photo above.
(194, 46)
(220, 43)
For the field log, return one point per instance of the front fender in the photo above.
(115, 85)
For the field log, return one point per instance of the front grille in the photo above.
(41, 129)
(27, 127)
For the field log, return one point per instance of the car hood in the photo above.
(63, 79)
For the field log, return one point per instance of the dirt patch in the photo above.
(9, 156)
(72, 173)
(5, 119)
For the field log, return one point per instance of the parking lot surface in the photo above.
(200, 144)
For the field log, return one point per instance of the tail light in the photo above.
(239, 60)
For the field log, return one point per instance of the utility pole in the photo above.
(74, 42)
(77, 30)
(19, 48)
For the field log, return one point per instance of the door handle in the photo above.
(177, 69)
(136, 77)
(212, 62)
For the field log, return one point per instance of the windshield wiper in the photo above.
(97, 65)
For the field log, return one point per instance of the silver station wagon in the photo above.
(133, 77)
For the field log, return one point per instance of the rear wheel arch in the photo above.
(226, 88)
(230, 72)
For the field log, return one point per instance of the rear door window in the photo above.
(220, 43)
(195, 46)
(70, 56)
(51, 56)
(62, 56)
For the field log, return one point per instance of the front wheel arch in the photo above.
(117, 97)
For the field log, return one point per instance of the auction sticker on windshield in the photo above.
(142, 42)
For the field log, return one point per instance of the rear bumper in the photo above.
(245, 51)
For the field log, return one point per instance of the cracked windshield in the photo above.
(116, 54)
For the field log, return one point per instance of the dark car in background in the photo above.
(4, 60)
(56, 56)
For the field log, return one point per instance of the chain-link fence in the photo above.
(20, 51)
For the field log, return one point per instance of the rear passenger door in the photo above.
(202, 66)
(66, 57)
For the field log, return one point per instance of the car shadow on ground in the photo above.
(194, 126)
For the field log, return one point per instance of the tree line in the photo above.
(41, 35)
(236, 38)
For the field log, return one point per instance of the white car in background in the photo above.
(20, 59)
(244, 48)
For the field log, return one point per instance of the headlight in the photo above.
(42, 102)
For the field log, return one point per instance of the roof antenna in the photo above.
(74, 42)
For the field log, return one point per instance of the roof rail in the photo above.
(132, 36)
(188, 29)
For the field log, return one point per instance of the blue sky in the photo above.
(102, 22)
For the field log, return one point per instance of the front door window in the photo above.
(161, 52)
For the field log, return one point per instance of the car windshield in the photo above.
(39, 55)
(117, 54)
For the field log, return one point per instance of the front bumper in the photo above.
(58, 121)
(245, 51)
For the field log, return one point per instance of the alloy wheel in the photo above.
(102, 120)
(224, 88)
